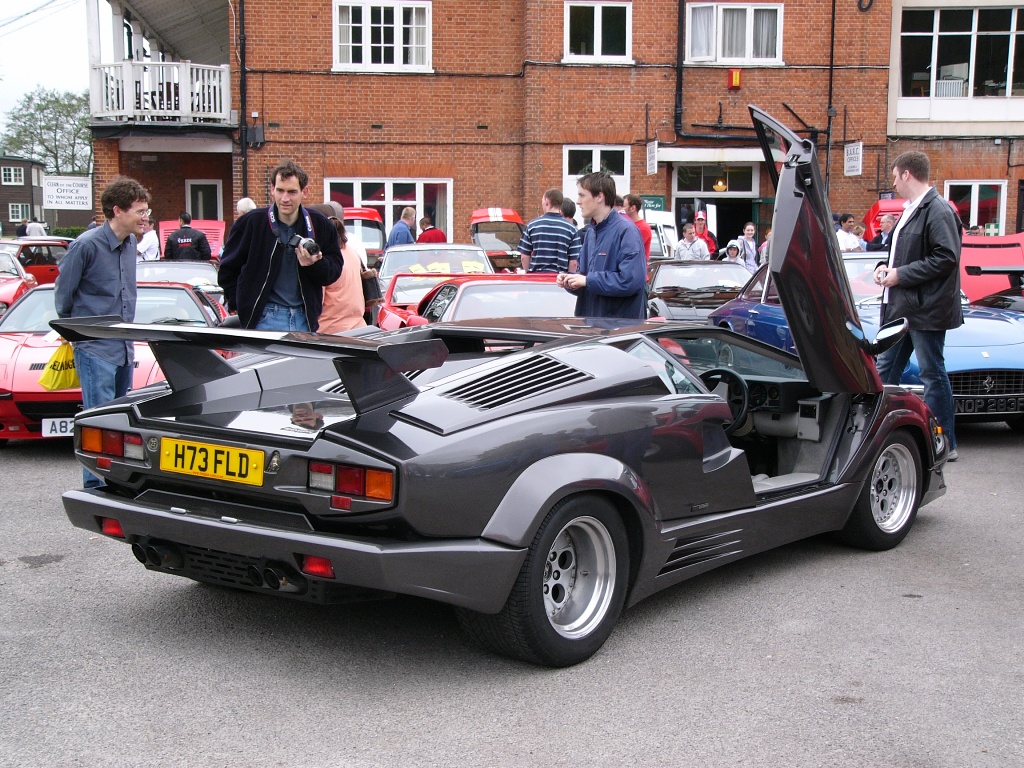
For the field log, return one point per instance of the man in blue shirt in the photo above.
(402, 232)
(549, 242)
(612, 273)
(97, 277)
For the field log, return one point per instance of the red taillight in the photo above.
(110, 442)
(111, 527)
(350, 481)
(317, 566)
(345, 481)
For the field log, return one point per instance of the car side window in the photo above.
(771, 296)
(671, 374)
(440, 303)
(755, 289)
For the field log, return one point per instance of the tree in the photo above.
(52, 127)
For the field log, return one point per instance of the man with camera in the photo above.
(278, 260)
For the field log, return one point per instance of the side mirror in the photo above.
(888, 335)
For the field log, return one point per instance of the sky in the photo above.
(46, 46)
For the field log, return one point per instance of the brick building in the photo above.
(21, 191)
(452, 106)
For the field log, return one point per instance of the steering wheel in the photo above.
(738, 395)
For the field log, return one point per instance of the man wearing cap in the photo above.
(700, 225)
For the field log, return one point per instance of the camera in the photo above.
(311, 246)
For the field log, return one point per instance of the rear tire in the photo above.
(570, 590)
(888, 504)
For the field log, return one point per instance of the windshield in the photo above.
(701, 352)
(505, 300)
(369, 234)
(498, 235)
(155, 305)
(7, 266)
(191, 272)
(411, 290)
(703, 275)
(30, 315)
(442, 260)
(860, 272)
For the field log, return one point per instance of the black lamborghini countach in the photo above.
(540, 475)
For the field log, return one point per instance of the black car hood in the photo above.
(807, 266)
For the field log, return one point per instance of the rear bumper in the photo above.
(470, 573)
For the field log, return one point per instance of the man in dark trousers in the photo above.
(269, 277)
(883, 239)
(186, 243)
(921, 282)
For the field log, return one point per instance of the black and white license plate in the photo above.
(969, 405)
(58, 427)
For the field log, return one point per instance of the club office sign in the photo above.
(71, 193)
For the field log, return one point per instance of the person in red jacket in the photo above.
(700, 224)
(633, 204)
(429, 233)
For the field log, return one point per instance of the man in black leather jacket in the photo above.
(922, 284)
(273, 284)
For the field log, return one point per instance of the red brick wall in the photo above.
(498, 64)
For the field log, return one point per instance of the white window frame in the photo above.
(748, 59)
(189, 183)
(18, 211)
(974, 184)
(389, 201)
(12, 176)
(753, 192)
(569, 180)
(367, 65)
(597, 58)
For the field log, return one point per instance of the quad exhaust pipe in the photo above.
(276, 576)
(158, 554)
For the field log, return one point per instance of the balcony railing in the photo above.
(177, 91)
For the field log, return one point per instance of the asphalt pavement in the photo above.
(810, 655)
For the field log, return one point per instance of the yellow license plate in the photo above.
(217, 462)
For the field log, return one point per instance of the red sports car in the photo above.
(29, 412)
(39, 255)
(420, 299)
(14, 280)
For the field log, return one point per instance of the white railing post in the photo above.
(185, 90)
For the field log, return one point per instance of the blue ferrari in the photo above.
(984, 356)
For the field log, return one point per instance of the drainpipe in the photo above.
(831, 108)
(242, 94)
(680, 58)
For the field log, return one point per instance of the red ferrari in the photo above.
(29, 412)
(14, 280)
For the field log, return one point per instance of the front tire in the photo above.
(888, 504)
(570, 590)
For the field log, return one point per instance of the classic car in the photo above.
(29, 412)
(690, 290)
(984, 356)
(540, 484)
(498, 231)
(38, 255)
(471, 297)
(14, 280)
(442, 258)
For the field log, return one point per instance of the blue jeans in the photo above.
(277, 318)
(102, 382)
(937, 391)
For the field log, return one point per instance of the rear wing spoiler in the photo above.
(371, 369)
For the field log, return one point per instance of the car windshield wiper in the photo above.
(175, 321)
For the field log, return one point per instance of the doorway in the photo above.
(204, 196)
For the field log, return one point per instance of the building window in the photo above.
(734, 34)
(580, 160)
(430, 197)
(716, 179)
(979, 202)
(951, 53)
(11, 175)
(382, 36)
(597, 32)
(18, 211)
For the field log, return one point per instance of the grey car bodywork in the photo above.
(664, 450)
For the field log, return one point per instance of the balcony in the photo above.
(161, 92)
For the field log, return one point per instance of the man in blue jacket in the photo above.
(611, 274)
(273, 283)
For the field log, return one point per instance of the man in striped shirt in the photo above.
(550, 243)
